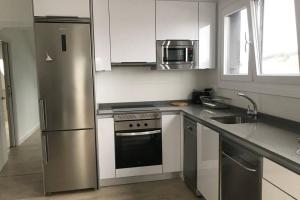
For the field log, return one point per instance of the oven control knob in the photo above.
(146, 124)
(130, 125)
(138, 125)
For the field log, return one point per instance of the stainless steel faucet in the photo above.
(249, 111)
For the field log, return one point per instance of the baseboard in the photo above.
(27, 135)
(2, 165)
(3, 156)
(3, 160)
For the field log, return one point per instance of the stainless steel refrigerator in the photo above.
(66, 99)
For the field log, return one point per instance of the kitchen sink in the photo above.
(234, 119)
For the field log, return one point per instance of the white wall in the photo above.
(16, 28)
(15, 13)
(137, 84)
(281, 100)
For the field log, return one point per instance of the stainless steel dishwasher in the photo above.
(190, 154)
(241, 172)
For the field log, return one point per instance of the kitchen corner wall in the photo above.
(136, 84)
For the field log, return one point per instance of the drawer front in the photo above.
(270, 192)
(283, 178)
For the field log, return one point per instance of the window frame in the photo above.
(258, 40)
(281, 86)
(227, 11)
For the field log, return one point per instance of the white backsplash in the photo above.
(136, 84)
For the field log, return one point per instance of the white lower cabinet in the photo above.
(106, 148)
(171, 143)
(207, 162)
(270, 192)
(281, 177)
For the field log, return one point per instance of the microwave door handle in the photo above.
(187, 54)
(132, 134)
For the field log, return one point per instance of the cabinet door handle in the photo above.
(189, 128)
(238, 163)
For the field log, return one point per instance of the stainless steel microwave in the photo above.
(177, 54)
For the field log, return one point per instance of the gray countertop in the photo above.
(277, 143)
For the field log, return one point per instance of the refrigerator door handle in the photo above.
(45, 148)
(43, 114)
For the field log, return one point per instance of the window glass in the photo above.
(236, 43)
(279, 38)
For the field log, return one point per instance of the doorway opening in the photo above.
(6, 95)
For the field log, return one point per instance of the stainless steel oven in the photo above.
(138, 139)
(177, 54)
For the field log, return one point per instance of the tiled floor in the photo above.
(22, 179)
(25, 159)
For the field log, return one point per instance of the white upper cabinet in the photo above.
(207, 34)
(132, 29)
(101, 35)
(171, 142)
(176, 20)
(207, 162)
(78, 8)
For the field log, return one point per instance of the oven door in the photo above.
(138, 149)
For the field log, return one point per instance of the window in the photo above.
(277, 42)
(236, 43)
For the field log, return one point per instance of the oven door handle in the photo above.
(138, 133)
